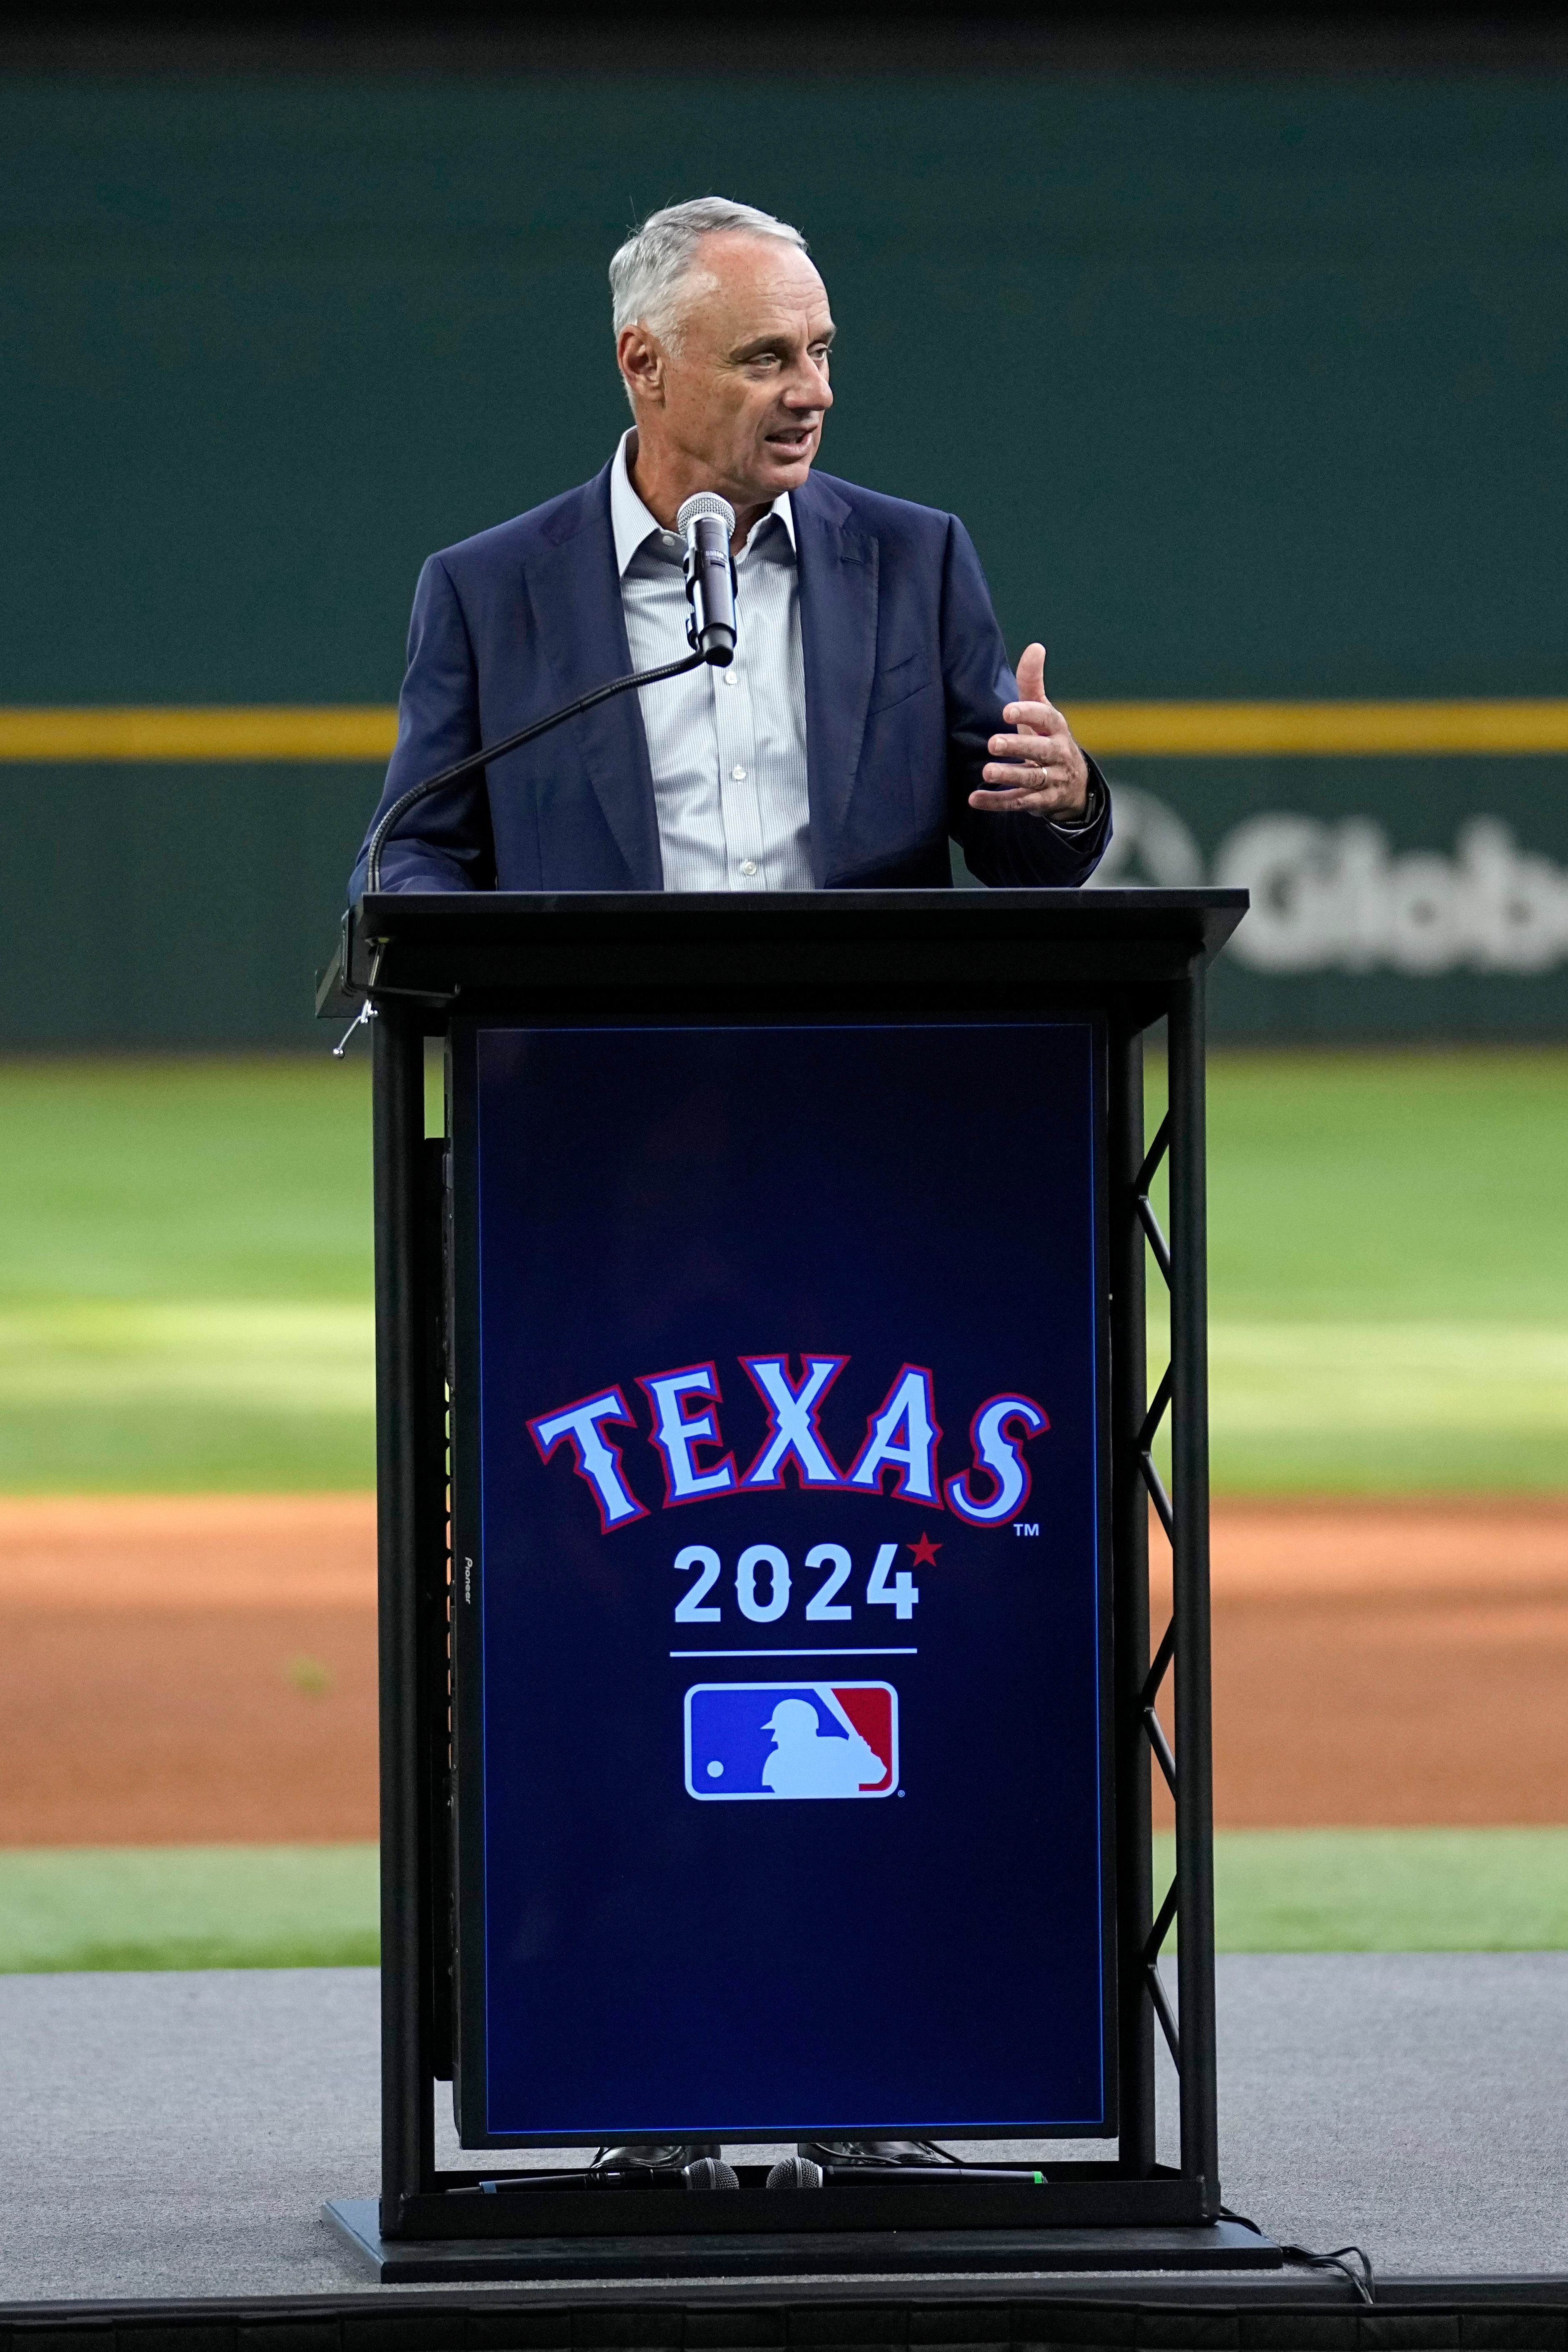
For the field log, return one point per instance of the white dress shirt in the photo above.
(727, 747)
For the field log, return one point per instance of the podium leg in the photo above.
(1189, 1463)
(407, 2115)
(1130, 1638)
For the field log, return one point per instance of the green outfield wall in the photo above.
(1251, 392)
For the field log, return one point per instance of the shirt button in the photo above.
(730, 679)
(749, 865)
(738, 775)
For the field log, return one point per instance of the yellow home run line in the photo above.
(1318, 730)
(1186, 730)
(268, 733)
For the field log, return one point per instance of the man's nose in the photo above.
(810, 388)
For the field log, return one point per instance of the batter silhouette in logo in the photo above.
(768, 1742)
(804, 1764)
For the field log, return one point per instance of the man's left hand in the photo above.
(1044, 771)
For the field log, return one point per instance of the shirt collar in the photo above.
(633, 525)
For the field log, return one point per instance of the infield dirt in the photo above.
(201, 1669)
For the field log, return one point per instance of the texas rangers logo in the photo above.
(697, 1464)
(761, 1742)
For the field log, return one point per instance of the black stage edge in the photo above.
(1306, 2312)
(797, 2253)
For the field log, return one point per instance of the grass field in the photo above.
(1389, 1272)
(185, 1274)
(188, 1907)
(314, 1906)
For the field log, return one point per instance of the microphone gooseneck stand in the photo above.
(474, 761)
(471, 766)
(707, 521)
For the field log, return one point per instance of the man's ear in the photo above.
(641, 359)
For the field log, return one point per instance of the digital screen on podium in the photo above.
(780, 1581)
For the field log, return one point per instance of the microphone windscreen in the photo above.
(709, 2172)
(706, 502)
(795, 2172)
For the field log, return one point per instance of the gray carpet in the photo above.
(175, 2134)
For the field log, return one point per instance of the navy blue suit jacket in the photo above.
(905, 678)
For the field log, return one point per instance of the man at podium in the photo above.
(870, 715)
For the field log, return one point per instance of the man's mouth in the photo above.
(791, 440)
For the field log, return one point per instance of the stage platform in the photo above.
(174, 2136)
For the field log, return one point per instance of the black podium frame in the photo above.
(1137, 957)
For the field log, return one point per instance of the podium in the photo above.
(765, 1459)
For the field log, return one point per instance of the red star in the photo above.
(924, 1552)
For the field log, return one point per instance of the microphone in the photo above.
(707, 522)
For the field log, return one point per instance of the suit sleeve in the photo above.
(444, 843)
(1000, 850)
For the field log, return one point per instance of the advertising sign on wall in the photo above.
(1421, 896)
(781, 1594)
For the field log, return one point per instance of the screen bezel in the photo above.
(461, 1307)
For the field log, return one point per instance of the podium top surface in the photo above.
(484, 947)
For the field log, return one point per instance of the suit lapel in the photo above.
(574, 590)
(838, 571)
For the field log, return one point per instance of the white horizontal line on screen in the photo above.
(794, 1654)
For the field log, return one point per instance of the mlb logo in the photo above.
(746, 1741)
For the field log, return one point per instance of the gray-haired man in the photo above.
(871, 716)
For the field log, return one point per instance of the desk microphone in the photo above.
(707, 524)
